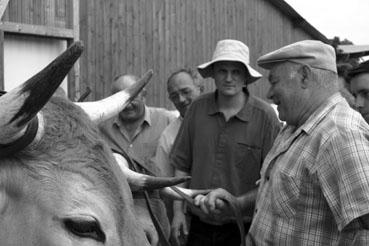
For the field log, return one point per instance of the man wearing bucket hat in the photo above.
(359, 85)
(314, 186)
(223, 140)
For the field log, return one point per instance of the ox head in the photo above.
(63, 187)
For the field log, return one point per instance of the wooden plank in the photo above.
(114, 30)
(2, 60)
(99, 13)
(83, 35)
(74, 88)
(122, 30)
(107, 64)
(37, 30)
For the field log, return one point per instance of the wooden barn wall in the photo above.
(132, 36)
(52, 13)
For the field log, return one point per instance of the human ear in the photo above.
(305, 73)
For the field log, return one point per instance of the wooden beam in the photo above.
(2, 84)
(3, 5)
(74, 87)
(44, 31)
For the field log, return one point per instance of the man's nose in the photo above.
(229, 77)
(181, 98)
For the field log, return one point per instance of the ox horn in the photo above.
(104, 109)
(170, 193)
(20, 105)
(139, 181)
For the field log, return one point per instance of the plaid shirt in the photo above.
(315, 181)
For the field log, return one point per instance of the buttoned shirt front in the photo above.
(226, 154)
(315, 180)
(142, 145)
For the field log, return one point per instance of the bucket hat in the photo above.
(230, 50)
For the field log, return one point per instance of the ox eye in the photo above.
(85, 228)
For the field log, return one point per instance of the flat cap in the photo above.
(359, 69)
(309, 52)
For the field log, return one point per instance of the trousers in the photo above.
(203, 234)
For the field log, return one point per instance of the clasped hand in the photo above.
(216, 207)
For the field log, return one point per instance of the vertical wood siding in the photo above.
(132, 36)
(54, 13)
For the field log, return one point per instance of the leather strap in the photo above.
(134, 165)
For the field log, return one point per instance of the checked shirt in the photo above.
(315, 181)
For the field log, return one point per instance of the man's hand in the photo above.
(217, 205)
(179, 229)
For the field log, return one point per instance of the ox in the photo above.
(59, 182)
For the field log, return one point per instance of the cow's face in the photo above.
(65, 189)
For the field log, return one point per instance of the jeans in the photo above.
(203, 234)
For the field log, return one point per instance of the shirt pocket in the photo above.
(285, 192)
(248, 161)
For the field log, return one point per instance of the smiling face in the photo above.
(67, 190)
(135, 110)
(182, 91)
(360, 89)
(285, 91)
(230, 77)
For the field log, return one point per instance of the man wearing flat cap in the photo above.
(314, 186)
(223, 140)
(359, 85)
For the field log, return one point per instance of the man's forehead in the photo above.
(182, 79)
(363, 76)
(275, 71)
(123, 83)
(229, 64)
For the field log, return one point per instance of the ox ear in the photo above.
(104, 109)
(20, 105)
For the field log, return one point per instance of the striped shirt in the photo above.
(315, 181)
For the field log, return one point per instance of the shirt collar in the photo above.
(147, 118)
(321, 112)
(244, 114)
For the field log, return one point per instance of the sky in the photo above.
(347, 19)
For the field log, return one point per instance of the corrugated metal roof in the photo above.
(353, 50)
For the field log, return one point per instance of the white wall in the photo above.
(24, 56)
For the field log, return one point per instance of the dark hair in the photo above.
(359, 69)
(197, 80)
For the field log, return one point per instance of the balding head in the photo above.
(136, 109)
(122, 82)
